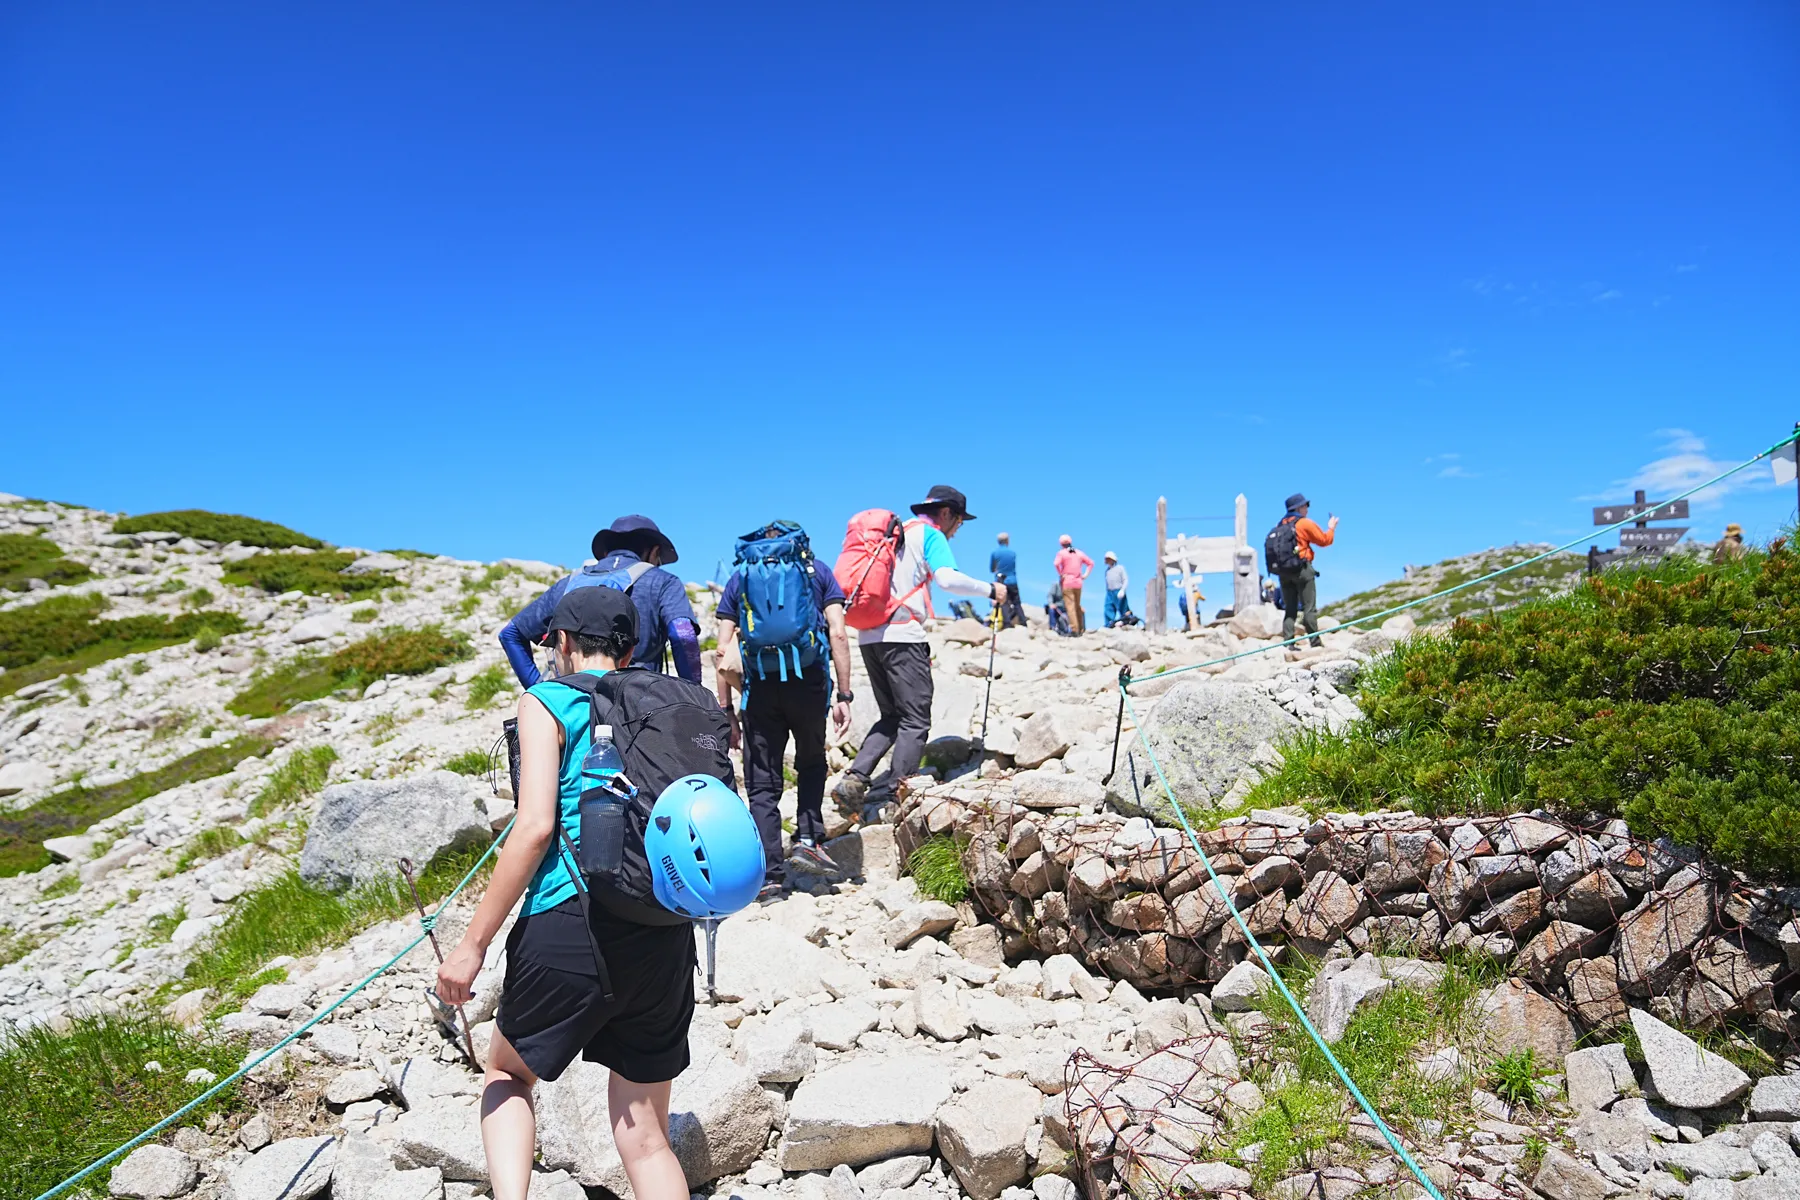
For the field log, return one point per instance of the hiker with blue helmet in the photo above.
(630, 556)
(787, 613)
(555, 1004)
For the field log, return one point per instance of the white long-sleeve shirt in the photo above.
(925, 550)
(1116, 579)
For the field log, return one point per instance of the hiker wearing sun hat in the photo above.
(1118, 608)
(895, 652)
(1731, 546)
(631, 556)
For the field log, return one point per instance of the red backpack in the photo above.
(865, 568)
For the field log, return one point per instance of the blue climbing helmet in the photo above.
(706, 857)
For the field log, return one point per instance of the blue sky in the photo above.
(476, 279)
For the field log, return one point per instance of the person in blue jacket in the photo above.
(630, 555)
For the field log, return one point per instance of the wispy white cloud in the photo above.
(1453, 471)
(1455, 360)
(1686, 268)
(1686, 463)
(1452, 468)
(1608, 295)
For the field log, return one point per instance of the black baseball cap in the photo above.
(595, 611)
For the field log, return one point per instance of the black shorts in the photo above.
(551, 1008)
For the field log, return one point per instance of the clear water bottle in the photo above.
(602, 805)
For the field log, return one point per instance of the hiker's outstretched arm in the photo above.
(527, 627)
(684, 643)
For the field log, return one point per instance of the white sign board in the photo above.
(1202, 555)
(1783, 462)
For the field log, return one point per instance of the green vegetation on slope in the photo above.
(217, 527)
(1669, 695)
(68, 1097)
(302, 775)
(25, 556)
(65, 634)
(937, 867)
(73, 809)
(319, 574)
(392, 651)
(290, 916)
(1555, 574)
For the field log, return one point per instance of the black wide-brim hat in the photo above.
(941, 495)
(631, 531)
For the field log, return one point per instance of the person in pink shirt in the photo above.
(1072, 567)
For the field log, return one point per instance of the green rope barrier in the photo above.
(1494, 574)
(1275, 976)
(427, 925)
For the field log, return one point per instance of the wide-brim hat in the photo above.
(630, 531)
(1297, 501)
(941, 495)
(1109, 556)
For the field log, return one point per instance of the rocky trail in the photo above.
(1087, 1020)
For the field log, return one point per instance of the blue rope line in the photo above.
(429, 922)
(1275, 976)
(1495, 574)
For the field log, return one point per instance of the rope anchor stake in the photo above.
(429, 922)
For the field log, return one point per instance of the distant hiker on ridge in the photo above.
(1731, 546)
(1003, 564)
(1288, 555)
(912, 555)
(1072, 567)
(1118, 607)
(631, 555)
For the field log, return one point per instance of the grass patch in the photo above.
(1515, 1076)
(208, 844)
(319, 574)
(71, 1097)
(162, 926)
(1667, 694)
(380, 728)
(198, 598)
(937, 867)
(73, 809)
(302, 775)
(56, 889)
(290, 916)
(365, 614)
(1311, 1110)
(205, 526)
(65, 635)
(469, 762)
(14, 946)
(486, 685)
(392, 651)
(27, 556)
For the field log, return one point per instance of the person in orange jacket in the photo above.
(1299, 589)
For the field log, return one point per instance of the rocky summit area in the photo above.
(1023, 983)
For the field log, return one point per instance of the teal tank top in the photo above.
(553, 884)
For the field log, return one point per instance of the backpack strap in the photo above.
(587, 910)
(924, 586)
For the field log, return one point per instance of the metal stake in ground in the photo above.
(406, 873)
(994, 618)
(712, 961)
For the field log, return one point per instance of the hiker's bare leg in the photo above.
(508, 1125)
(640, 1125)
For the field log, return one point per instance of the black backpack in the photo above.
(1281, 549)
(664, 728)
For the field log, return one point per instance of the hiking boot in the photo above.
(849, 792)
(878, 811)
(774, 889)
(812, 854)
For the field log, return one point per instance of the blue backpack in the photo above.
(778, 611)
(623, 579)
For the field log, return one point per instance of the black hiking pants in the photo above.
(900, 677)
(1300, 594)
(775, 710)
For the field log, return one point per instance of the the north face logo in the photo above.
(706, 741)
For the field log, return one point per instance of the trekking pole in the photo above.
(994, 619)
(430, 924)
(712, 961)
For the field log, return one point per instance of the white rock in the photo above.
(937, 1010)
(319, 626)
(154, 1172)
(777, 1050)
(1597, 1075)
(864, 1111)
(982, 1135)
(917, 921)
(363, 827)
(351, 1086)
(446, 1134)
(837, 1026)
(1241, 988)
(1064, 976)
(901, 1172)
(25, 777)
(1776, 1098)
(291, 1169)
(1685, 1075)
(366, 1171)
(763, 963)
(1339, 989)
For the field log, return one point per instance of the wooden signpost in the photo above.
(1640, 542)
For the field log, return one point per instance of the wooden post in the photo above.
(1156, 595)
